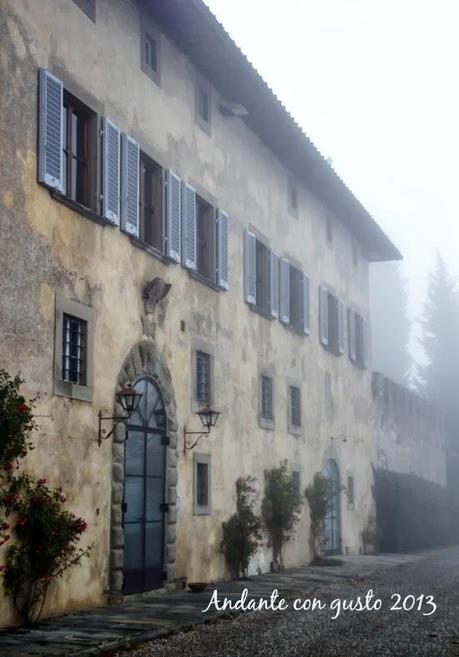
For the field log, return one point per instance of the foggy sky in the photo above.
(374, 84)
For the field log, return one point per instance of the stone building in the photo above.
(165, 223)
(409, 432)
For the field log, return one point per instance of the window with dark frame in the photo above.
(350, 490)
(296, 299)
(203, 377)
(151, 53)
(296, 484)
(202, 484)
(203, 104)
(151, 206)
(262, 276)
(267, 398)
(332, 306)
(88, 6)
(74, 350)
(295, 406)
(79, 146)
(205, 239)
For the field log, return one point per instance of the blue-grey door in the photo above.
(333, 515)
(144, 489)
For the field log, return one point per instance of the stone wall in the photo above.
(408, 432)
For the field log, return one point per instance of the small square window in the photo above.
(88, 6)
(201, 484)
(203, 377)
(203, 104)
(267, 398)
(151, 54)
(74, 350)
(329, 232)
(150, 49)
(295, 406)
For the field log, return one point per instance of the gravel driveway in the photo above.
(377, 633)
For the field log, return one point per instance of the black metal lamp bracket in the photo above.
(116, 419)
(200, 434)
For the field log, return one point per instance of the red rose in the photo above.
(23, 408)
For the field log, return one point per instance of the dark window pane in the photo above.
(135, 453)
(151, 59)
(133, 549)
(295, 406)
(205, 229)
(350, 490)
(203, 104)
(74, 350)
(262, 276)
(134, 499)
(151, 202)
(203, 377)
(266, 398)
(296, 321)
(202, 484)
(76, 149)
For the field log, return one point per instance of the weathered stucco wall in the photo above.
(48, 249)
(409, 433)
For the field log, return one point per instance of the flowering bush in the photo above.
(16, 422)
(46, 535)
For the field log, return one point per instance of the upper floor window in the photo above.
(205, 239)
(357, 338)
(151, 210)
(88, 6)
(294, 297)
(203, 377)
(329, 232)
(331, 321)
(203, 104)
(261, 274)
(74, 350)
(79, 146)
(150, 49)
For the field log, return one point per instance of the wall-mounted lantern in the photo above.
(209, 419)
(129, 399)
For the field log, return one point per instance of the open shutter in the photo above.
(340, 326)
(173, 216)
(223, 249)
(189, 227)
(111, 172)
(130, 154)
(352, 334)
(305, 304)
(274, 284)
(50, 155)
(250, 267)
(323, 315)
(284, 288)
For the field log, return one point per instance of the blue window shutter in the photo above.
(305, 300)
(50, 154)
(274, 284)
(341, 326)
(284, 290)
(174, 218)
(223, 249)
(130, 154)
(111, 172)
(189, 227)
(250, 268)
(323, 315)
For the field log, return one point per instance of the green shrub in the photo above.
(318, 494)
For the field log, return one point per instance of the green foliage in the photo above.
(318, 494)
(280, 510)
(16, 422)
(45, 534)
(413, 513)
(241, 532)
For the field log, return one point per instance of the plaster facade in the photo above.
(49, 249)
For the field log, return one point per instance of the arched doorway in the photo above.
(333, 515)
(143, 505)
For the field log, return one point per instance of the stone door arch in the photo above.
(143, 361)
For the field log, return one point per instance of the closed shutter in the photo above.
(323, 315)
(223, 249)
(130, 154)
(340, 326)
(274, 284)
(250, 267)
(173, 216)
(111, 172)
(305, 304)
(189, 227)
(284, 287)
(50, 154)
(352, 335)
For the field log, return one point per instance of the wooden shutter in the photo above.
(323, 315)
(111, 172)
(173, 216)
(284, 288)
(50, 122)
(274, 284)
(352, 334)
(305, 314)
(189, 227)
(223, 249)
(250, 267)
(340, 326)
(130, 154)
